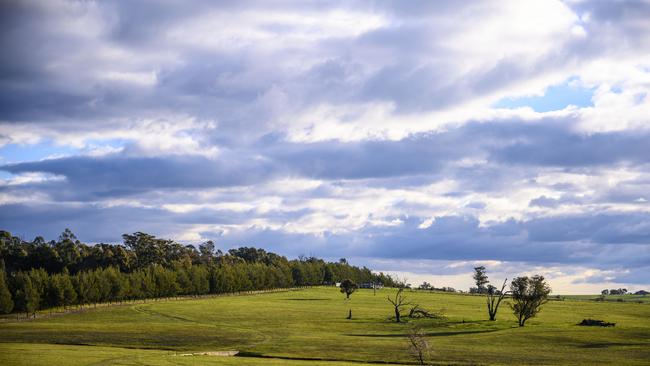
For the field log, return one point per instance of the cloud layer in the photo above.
(440, 133)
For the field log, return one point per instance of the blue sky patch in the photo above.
(18, 153)
(555, 98)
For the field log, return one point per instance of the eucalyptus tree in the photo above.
(480, 278)
(528, 296)
(6, 302)
(27, 296)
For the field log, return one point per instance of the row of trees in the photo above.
(429, 287)
(148, 267)
(614, 291)
(623, 291)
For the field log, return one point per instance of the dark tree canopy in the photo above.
(27, 295)
(480, 278)
(528, 296)
(6, 302)
(67, 272)
(348, 287)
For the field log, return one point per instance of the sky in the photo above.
(418, 138)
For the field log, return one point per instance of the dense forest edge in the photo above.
(39, 274)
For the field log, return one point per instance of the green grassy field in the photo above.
(309, 327)
(619, 298)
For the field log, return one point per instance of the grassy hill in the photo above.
(292, 327)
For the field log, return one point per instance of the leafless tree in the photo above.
(494, 298)
(398, 303)
(419, 346)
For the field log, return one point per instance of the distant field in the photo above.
(620, 298)
(310, 324)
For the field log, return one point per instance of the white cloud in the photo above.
(137, 78)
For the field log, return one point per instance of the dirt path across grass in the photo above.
(212, 353)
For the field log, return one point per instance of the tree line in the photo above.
(65, 272)
(614, 291)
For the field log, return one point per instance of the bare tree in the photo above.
(528, 296)
(418, 345)
(494, 298)
(398, 303)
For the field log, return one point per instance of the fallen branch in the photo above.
(418, 312)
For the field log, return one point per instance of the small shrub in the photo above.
(595, 323)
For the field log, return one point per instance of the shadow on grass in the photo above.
(434, 334)
(610, 344)
(260, 355)
(307, 299)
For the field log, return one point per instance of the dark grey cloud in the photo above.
(372, 159)
(580, 239)
(544, 201)
(432, 156)
(602, 241)
(123, 172)
(119, 174)
(626, 19)
(91, 223)
(575, 149)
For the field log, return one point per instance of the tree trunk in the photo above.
(349, 314)
(397, 315)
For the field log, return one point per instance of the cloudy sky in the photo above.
(420, 138)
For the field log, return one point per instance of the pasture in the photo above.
(308, 327)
